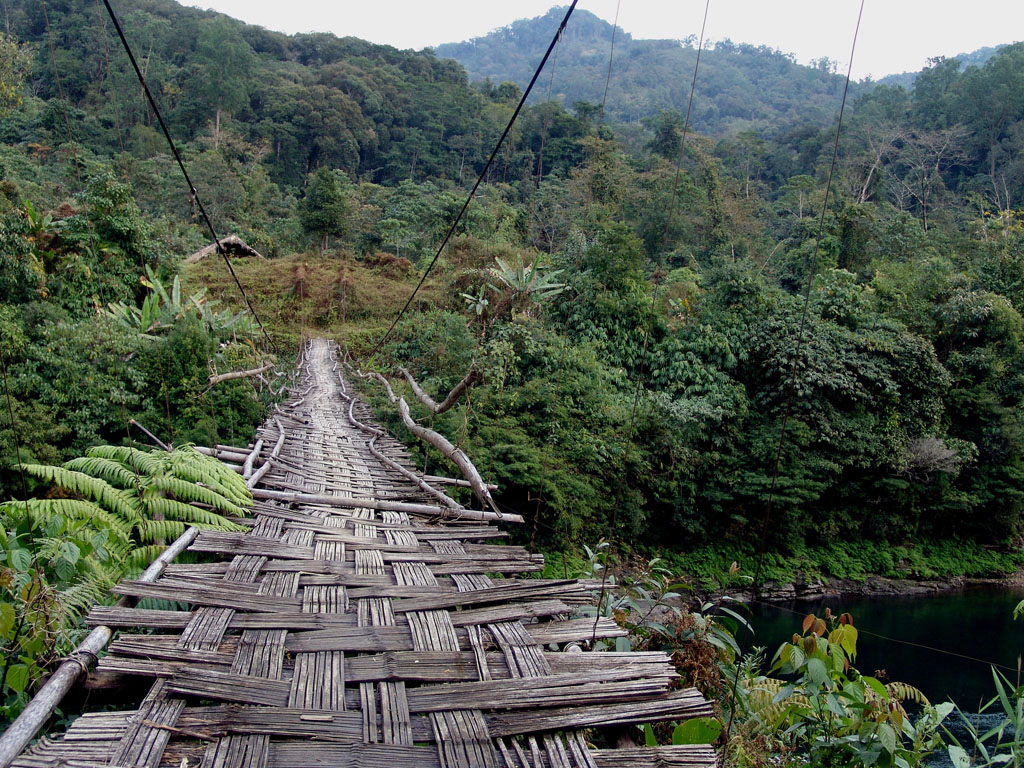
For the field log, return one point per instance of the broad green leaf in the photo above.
(817, 671)
(958, 756)
(7, 617)
(835, 705)
(20, 559)
(887, 736)
(876, 686)
(649, 738)
(702, 730)
(17, 677)
(69, 551)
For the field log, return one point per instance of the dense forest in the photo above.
(681, 297)
(635, 329)
(634, 334)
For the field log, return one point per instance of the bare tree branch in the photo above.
(439, 441)
(468, 380)
(218, 378)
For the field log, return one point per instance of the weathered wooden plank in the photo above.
(214, 596)
(567, 591)
(351, 639)
(281, 722)
(682, 756)
(225, 686)
(314, 755)
(236, 543)
(676, 705)
(574, 629)
(509, 612)
(537, 692)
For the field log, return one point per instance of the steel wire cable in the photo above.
(181, 165)
(479, 180)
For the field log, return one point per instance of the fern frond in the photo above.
(761, 702)
(78, 599)
(186, 513)
(188, 464)
(185, 491)
(105, 469)
(93, 488)
(144, 462)
(906, 692)
(770, 685)
(157, 530)
(140, 558)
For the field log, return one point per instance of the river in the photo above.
(942, 643)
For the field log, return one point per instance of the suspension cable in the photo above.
(480, 178)
(612, 524)
(755, 585)
(181, 165)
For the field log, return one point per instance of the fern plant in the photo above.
(108, 514)
(153, 495)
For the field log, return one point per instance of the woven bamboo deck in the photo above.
(329, 636)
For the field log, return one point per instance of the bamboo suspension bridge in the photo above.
(361, 620)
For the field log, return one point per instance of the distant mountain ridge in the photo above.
(740, 86)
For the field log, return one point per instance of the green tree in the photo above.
(324, 209)
(14, 62)
(226, 65)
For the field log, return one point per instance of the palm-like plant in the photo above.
(523, 284)
(162, 308)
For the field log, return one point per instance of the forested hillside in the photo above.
(634, 341)
(741, 86)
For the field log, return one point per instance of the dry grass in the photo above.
(334, 295)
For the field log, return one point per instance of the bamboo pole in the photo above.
(160, 443)
(455, 481)
(34, 716)
(259, 473)
(351, 502)
(251, 459)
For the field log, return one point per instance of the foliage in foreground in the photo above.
(106, 514)
(809, 705)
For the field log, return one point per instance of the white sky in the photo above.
(895, 35)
